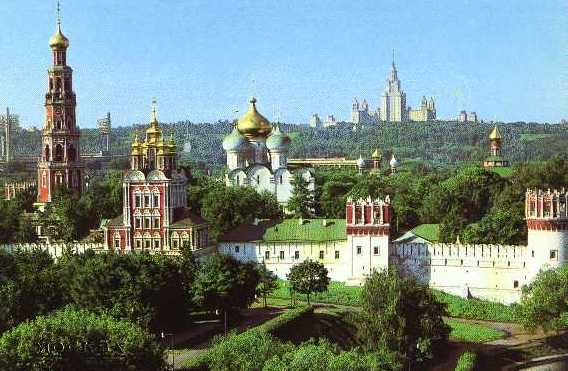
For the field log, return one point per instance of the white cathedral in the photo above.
(257, 156)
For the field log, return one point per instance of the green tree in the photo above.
(308, 277)
(143, 288)
(401, 315)
(71, 339)
(223, 283)
(268, 282)
(544, 302)
(302, 203)
(29, 285)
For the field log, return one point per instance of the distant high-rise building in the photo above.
(392, 105)
(8, 123)
(330, 120)
(315, 121)
(104, 129)
(426, 112)
(467, 116)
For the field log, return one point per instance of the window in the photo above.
(445, 261)
(461, 262)
(117, 243)
(337, 255)
(147, 244)
(281, 254)
(175, 244)
(359, 248)
(515, 284)
(296, 255)
(147, 223)
(147, 201)
(138, 244)
(157, 223)
(138, 201)
(532, 253)
(321, 254)
(376, 250)
(237, 249)
(156, 244)
(553, 254)
(156, 200)
(281, 179)
(138, 221)
(267, 255)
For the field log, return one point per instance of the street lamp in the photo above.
(171, 345)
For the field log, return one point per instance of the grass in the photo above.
(476, 309)
(472, 332)
(430, 232)
(337, 293)
(503, 171)
(529, 137)
(466, 362)
(340, 294)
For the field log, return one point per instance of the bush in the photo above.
(466, 362)
(72, 339)
(322, 355)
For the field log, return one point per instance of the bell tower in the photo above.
(60, 162)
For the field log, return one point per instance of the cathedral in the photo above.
(155, 215)
(60, 163)
(257, 156)
(392, 106)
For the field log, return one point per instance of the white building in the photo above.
(351, 248)
(257, 156)
(315, 121)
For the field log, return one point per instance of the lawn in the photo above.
(466, 362)
(472, 332)
(503, 171)
(529, 137)
(339, 293)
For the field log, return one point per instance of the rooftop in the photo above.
(430, 232)
(289, 230)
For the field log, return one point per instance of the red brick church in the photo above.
(155, 215)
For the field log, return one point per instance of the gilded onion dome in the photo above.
(278, 140)
(495, 134)
(58, 40)
(376, 154)
(136, 146)
(153, 133)
(235, 141)
(253, 124)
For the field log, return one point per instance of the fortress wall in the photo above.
(490, 272)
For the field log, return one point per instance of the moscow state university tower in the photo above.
(60, 164)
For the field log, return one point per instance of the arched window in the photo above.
(58, 123)
(46, 152)
(58, 153)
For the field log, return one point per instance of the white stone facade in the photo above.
(491, 272)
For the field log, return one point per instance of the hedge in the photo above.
(258, 340)
(466, 362)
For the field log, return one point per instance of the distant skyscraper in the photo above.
(465, 116)
(393, 100)
(315, 121)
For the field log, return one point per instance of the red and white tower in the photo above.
(60, 163)
(368, 235)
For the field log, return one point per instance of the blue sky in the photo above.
(507, 60)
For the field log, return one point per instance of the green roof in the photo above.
(310, 230)
(430, 232)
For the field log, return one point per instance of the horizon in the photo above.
(205, 65)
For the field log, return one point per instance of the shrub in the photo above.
(466, 362)
(476, 309)
(73, 339)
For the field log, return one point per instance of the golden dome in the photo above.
(136, 146)
(58, 40)
(253, 124)
(495, 134)
(376, 154)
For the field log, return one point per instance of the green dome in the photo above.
(277, 140)
(234, 141)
